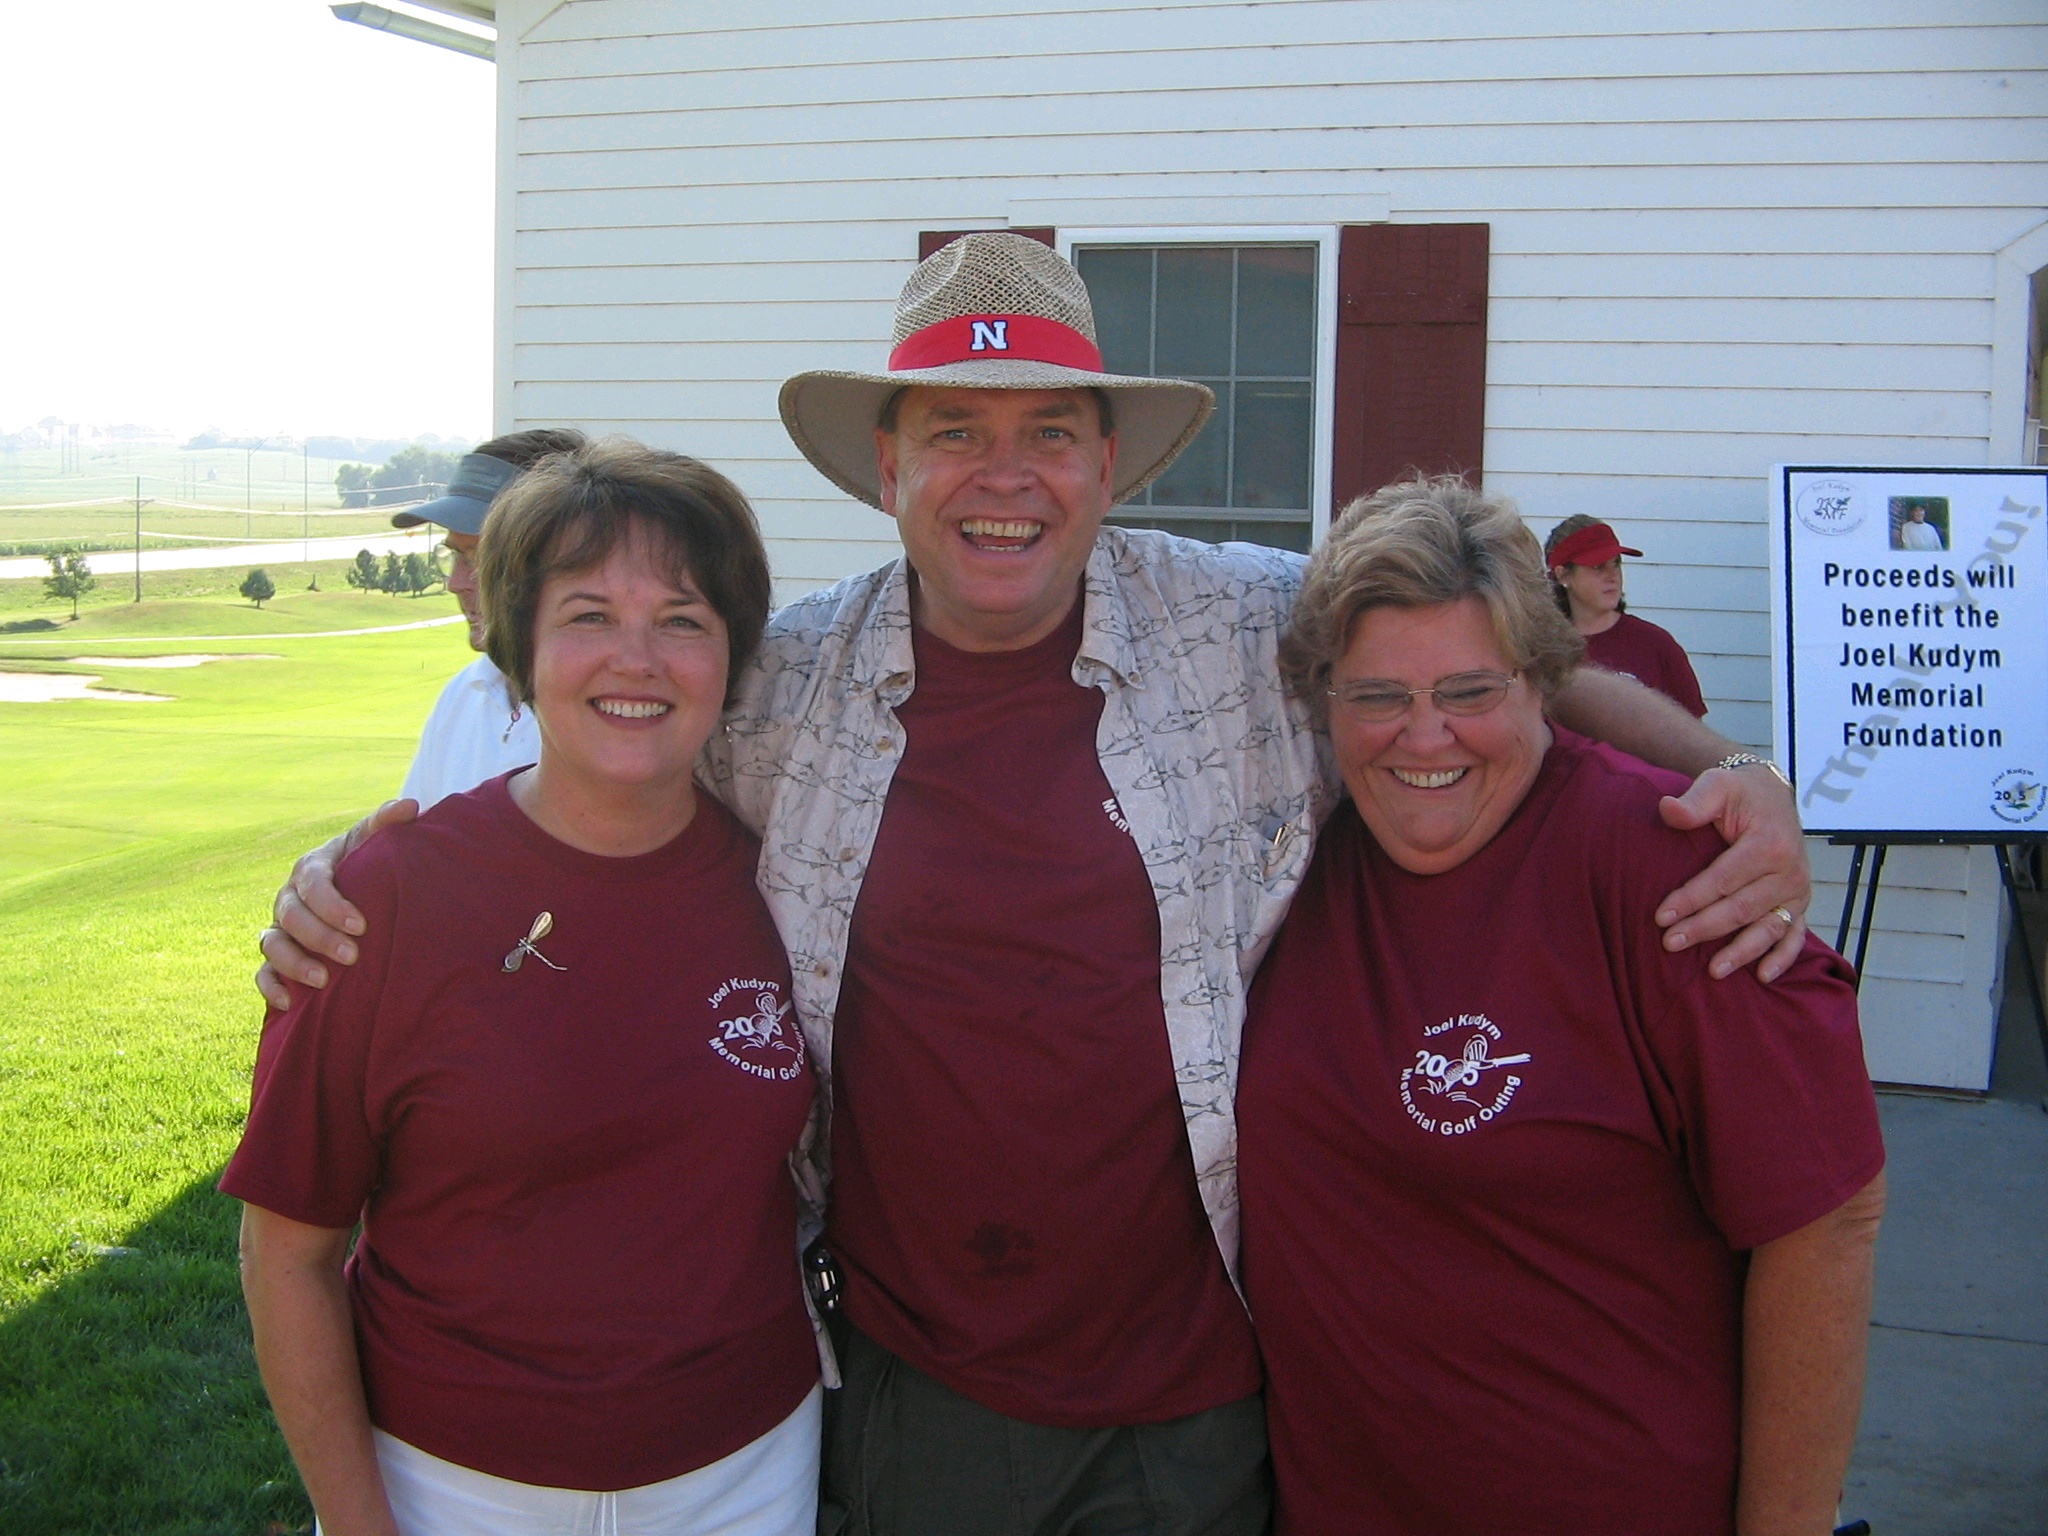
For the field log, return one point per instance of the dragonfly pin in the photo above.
(542, 927)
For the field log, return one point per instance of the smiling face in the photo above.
(629, 675)
(1435, 788)
(1594, 590)
(998, 495)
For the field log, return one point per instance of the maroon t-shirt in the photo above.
(578, 1261)
(1013, 1199)
(1639, 649)
(1500, 1158)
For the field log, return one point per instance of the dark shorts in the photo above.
(906, 1456)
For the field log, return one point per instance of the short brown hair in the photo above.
(571, 510)
(525, 449)
(1415, 544)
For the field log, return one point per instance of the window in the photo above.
(1242, 320)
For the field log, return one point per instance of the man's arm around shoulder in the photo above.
(1763, 879)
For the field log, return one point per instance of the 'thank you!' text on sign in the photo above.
(1911, 643)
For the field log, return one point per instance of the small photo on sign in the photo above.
(1920, 523)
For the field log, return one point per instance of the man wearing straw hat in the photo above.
(1032, 803)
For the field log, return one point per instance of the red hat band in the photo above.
(1595, 544)
(985, 338)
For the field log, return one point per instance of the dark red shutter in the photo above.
(932, 239)
(1411, 353)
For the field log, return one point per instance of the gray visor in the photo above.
(461, 509)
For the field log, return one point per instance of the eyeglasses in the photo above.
(1462, 693)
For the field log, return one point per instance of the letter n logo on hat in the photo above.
(990, 336)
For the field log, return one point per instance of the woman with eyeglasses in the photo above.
(1545, 1230)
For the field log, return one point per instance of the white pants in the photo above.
(766, 1488)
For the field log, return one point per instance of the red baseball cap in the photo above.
(1594, 544)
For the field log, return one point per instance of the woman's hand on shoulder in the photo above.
(1760, 886)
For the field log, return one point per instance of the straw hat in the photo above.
(990, 311)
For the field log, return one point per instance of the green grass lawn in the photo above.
(142, 843)
(110, 608)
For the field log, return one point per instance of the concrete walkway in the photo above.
(1955, 1419)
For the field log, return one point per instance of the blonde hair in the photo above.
(1421, 542)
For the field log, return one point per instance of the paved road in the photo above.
(114, 562)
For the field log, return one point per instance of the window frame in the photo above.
(1325, 238)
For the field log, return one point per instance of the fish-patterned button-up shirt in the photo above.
(1216, 770)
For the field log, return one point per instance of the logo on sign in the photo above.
(1829, 508)
(990, 336)
(2017, 796)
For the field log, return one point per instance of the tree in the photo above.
(415, 466)
(258, 587)
(392, 578)
(423, 571)
(364, 575)
(70, 578)
(352, 484)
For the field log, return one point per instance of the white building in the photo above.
(1622, 257)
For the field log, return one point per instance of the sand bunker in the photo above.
(165, 661)
(57, 687)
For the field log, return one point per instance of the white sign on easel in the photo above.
(1910, 647)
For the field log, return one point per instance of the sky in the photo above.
(243, 214)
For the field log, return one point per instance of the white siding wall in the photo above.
(1724, 235)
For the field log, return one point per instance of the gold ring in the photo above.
(1790, 920)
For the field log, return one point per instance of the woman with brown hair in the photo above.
(559, 1088)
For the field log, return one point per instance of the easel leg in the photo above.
(1869, 908)
(1849, 896)
(2019, 921)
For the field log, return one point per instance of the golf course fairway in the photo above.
(142, 843)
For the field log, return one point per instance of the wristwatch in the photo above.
(1749, 760)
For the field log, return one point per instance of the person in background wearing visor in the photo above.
(476, 730)
(1584, 558)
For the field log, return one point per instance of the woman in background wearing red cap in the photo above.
(1584, 558)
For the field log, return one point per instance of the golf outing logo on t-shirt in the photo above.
(755, 1031)
(1452, 1094)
